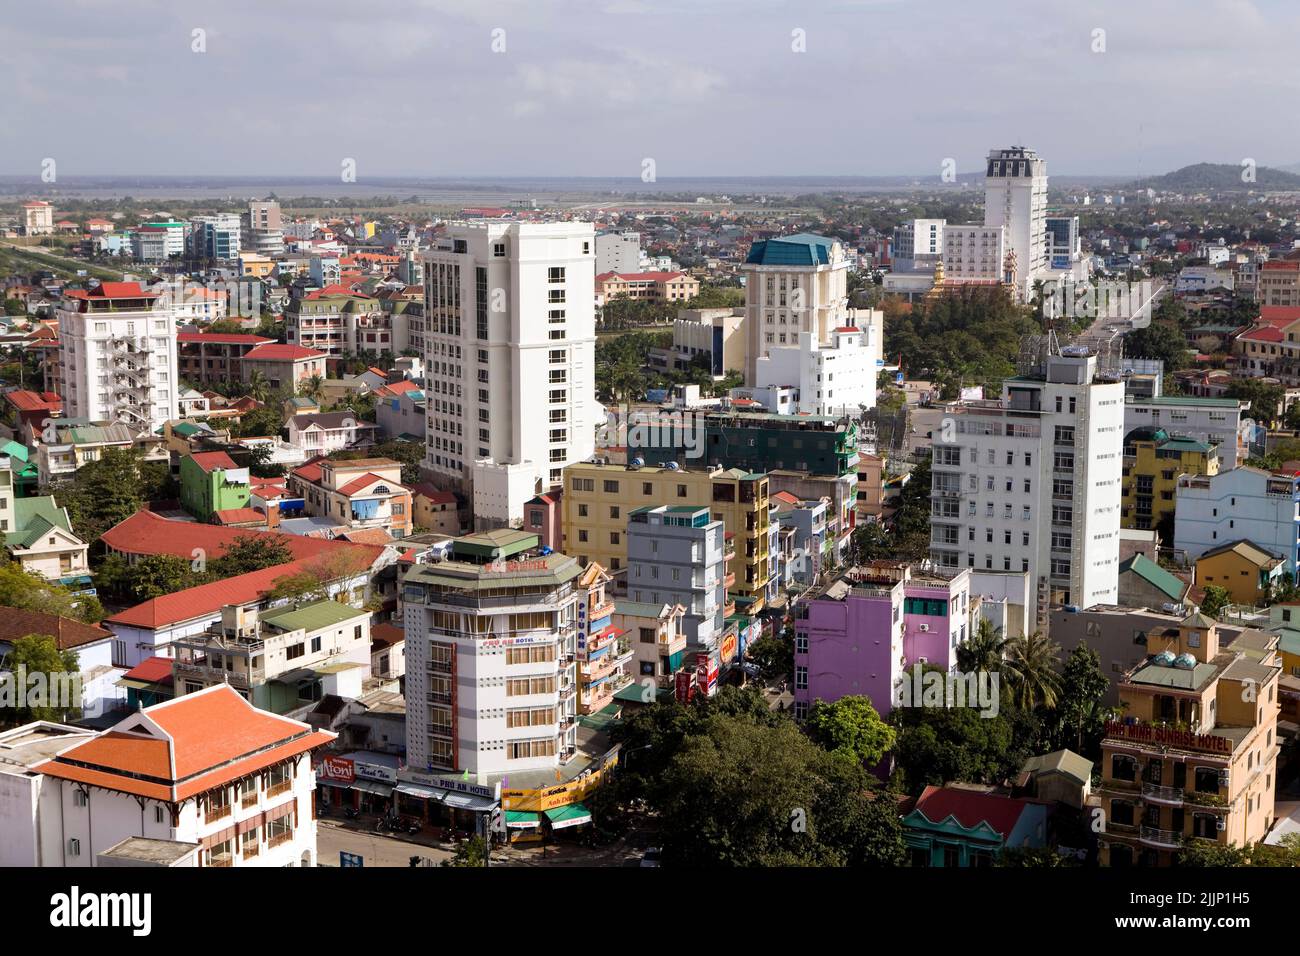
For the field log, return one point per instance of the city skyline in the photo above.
(790, 92)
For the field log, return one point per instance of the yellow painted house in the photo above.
(1244, 568)
(1153, 460)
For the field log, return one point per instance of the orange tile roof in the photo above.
(208, 460)
(147, 533)
(170, 752)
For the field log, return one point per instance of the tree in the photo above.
(1215, 600)
(157, 574)
(1030, 669)
(106, 491)
(984, 650)
(774, 655)
(1158, 341)
(1265, 398)
(37, 655)
(471, 852)
(1035, 857)
(258, 387)
(1079, 711)
(871, 542)
(850, 726)
(31, 592)
(313, 387)
(264, 422)
(939, 744)
(911, 524)
(1208, 853)
(251, 552)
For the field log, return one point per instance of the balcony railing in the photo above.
(1171, 796)
(279, 838)
(1153, 836)
(214, 814)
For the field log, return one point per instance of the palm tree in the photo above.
(1031, 670)
(985, 649)
(258, 386)
(313, 386)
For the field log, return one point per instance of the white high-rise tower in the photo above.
(1015, 197)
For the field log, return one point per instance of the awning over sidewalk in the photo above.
(521, 820)
(468, 801)
(367, 786)
(415, 790)
(574, 815)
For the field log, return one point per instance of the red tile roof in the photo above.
(154, 670)
(386, 635)
(67, 633)
(221, 338)
(357, 485)
(1263, 333)
(333, 290)
(436, 496)
(640, 276)
(173, 743)
(281, 353)
(970, 808)
(146, 533)
(368, 536)
(394, 389)
(229, 516)
(210, 460)
(121, 290)
(1279, 315)
(29, 401)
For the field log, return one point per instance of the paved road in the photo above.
(377, 849)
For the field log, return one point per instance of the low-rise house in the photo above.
(282, 659)
(958, 827)
(543, 516)
(39, 535)
(210, 357)
(1143, 583)
(325, 432)
(1247, 571)
(68, 447)
(211, 482)
(92, 644)
(1061, 776)
(362, 493)
(284, 366)
(387, 651)
(242, 797)
(658, 642)
(438, 511)
(399, 411)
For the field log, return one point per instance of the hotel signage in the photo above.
(337, 768)
(1167, 737)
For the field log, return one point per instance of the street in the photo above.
(376, 849)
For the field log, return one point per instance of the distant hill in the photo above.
(1219, 177)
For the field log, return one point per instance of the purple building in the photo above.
(858, 635)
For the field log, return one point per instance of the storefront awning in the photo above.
(415, 790)
(468, 801)
(327, 782)
(574, 815)
(367, 786)
(521, 820)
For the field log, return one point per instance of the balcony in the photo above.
(216, 674)
(1165, 839)
(1165, 796)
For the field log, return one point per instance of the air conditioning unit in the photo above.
(924, 628)
(1221, 824)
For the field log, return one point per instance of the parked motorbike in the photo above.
(351, 813)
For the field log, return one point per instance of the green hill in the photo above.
(1219, 177)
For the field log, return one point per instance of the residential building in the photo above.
(677, 555)
(618, 252)
(1031, 482)
(439, 511)
(544, 518)
(1245, 502)
(838, 378)
(793, 284)
(1195, 757)
(282, 660)
(509, 354)
(598, 498)
(74, 446)
(757, 441)
(658, 644)
(1144, 583)
(215, 237)
(212, 482)
(282, 366)
(975, 253)
(325, 432)
(1015, 198)
(92, 644)
(812, 549)
(243, 797)
(38, 218)
(1278, 283)
(118, 356)
(207, 358)
(655, 286)
(859, 633)
(602, 648)
(400, 411)
(1062, 776)
(357, 494)
(39, 536)
(491, 645)
(1214, 421)
(327, 319)
(717, 334)
(1154, 460)
(958, 826)
(265, 235)
(918, 245)
(1246, 571)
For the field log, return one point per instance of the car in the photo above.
(652, 856)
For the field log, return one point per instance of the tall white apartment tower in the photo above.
(510, 351)
(490, 657)
(117, 353)
(1015, 197)
(1031, 482)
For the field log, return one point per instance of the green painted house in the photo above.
(212, 482)
(956, 827)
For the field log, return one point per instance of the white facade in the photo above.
(1015, 197)
(918, 244)
(1032, 483)
(834, 379)
(1245, 503)
(510, 353)
(1213, 420)
(974, 252)
(492, 680)
(618, 252)
(119, 365)
(676, 556)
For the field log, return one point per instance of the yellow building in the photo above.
(1246, 570)
(1194, 756)
(1153, 460)
(598, 498)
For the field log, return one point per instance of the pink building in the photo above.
(542, 517)
(864, 629)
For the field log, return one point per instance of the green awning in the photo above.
(633, 694)
(574, 815)
(602, 718)
(522, 820)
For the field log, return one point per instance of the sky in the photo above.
(597, 87)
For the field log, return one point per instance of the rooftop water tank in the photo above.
(1185, 661)
(1164, 659)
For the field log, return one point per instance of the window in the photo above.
(800, 678)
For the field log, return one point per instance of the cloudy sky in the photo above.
(594, 87)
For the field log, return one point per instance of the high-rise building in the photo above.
(215, 237)
(676, 554)
(265, 235)
(118, 356)
(1031, 482)
(510, 353)
(918, 245)
(618, 252)
(794, 284)
(490, 656)
(1015, 197)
